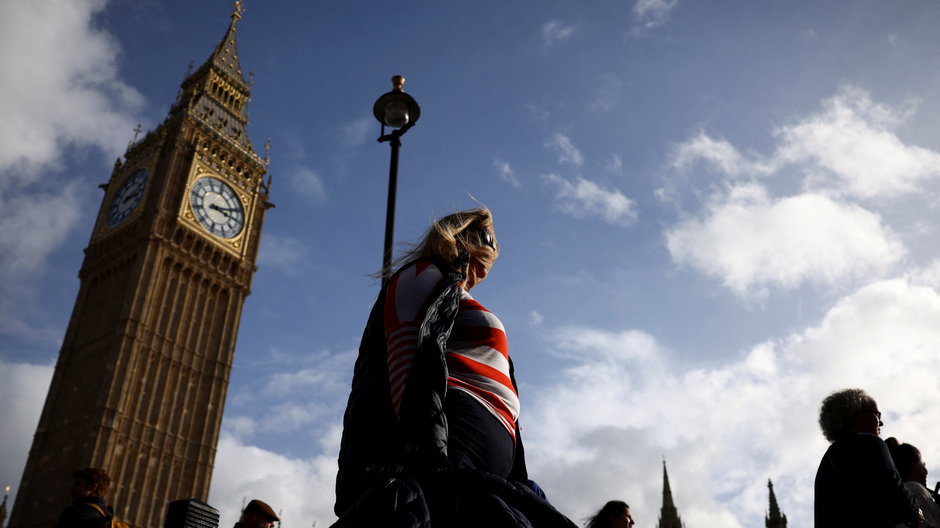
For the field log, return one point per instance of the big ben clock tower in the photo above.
(142, 374)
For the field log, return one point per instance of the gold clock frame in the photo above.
(202, 169)
(102, 229)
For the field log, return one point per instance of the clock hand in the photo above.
(227, 211)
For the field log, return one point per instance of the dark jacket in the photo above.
(858, 486)
(376, 471)
(81, 514)
(373, 442)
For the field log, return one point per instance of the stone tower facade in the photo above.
(668, 514)
(141, 378)
(774, 518)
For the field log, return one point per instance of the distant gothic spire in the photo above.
(3, 507)
(668, 515)
(774, 518)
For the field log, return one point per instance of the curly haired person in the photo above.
(857, 483)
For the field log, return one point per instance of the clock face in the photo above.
(127, 197)
(217, 207)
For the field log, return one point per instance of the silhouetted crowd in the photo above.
(89, 508)
(862, 482)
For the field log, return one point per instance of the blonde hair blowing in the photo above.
(455, 233)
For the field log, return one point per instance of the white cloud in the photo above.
(848, 148)
(16, 307)
(301, 490)
(929, 275)
(505, 172)
(48, 216)
(300, 394)
(62, 91)
(627, 402)
(357, 132)
(304, 398)
(23, 388)
(567, 152)
(555, 31)
(719, 154)
(608, 94)
(284, 253)
(808, 35)
(308, 183)
(883, 333)
(289, 417)
(535, 318)
(615, 165)
(853, 139)
(585, 198)
(652, 13)
(57, 56)
(751, 241)
(240, 425)
(538, 113)
(326, 376)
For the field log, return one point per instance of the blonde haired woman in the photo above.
(431, 434)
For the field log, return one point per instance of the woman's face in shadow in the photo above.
(919, 470)
(478, 272)
(624, 520)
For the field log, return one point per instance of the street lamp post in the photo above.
(398, 111)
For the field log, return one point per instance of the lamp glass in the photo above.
(396, 114)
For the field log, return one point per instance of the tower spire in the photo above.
(217, 94)
(668, 515)
(667, 492)
(225, 56)
(774, 518)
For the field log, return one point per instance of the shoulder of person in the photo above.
(866, 439)
(852, 445)
(96, 508)
(81, 512)
(425, 264)
(917, 489)
(422, 274)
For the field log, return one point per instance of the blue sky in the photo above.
(712, 214)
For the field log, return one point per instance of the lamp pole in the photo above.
(398, 111)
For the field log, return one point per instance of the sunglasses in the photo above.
(485, 237)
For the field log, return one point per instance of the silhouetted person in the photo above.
(614, 514)
(257, 515)
(88, 509)
(857, 484)
(913, 472)
(431, 435)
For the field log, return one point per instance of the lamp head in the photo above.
(396, 109)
